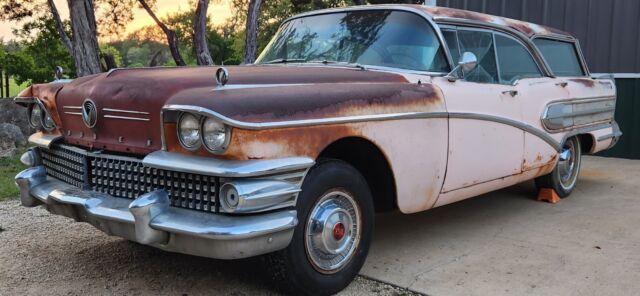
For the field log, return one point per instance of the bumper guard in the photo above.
(150, 220)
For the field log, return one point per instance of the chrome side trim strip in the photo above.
(72, 107)
(517, 124)
(73, 113)
(609, 136)
(224, 168)
(563, 115)
(126, 117)
(43, 140)
(303, 122)
(124, 111)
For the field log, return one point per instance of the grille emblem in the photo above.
(89, 113)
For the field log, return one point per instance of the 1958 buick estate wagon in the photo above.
(347, 112)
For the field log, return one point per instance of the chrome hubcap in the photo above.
(332, 232)
(567, 165)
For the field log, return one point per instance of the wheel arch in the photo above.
(372, 163)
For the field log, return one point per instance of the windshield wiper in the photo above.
(348, 64)
(284, 61)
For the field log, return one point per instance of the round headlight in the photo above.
(215, 135)
(35, 116)
(47, 122)
(189, 131)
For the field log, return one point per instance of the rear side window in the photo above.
(561, 56)
(514, 61)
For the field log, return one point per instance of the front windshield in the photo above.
(385, 38)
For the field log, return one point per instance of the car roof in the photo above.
(526, 28)
(451, 15)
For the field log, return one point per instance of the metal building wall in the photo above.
(608, 30)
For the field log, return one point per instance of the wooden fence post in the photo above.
(6, 84)
(1, 88)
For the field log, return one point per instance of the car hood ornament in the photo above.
(89, 113)
(222, 76)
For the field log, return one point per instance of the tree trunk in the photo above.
(203, 55)
(86, 52)
(172, 40)
(251, 42)
(154, 59)
(109, 62)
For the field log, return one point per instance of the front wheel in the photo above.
(564, 176)
(331, 240)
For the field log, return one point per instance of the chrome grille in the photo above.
(65, 165)
(126, 177)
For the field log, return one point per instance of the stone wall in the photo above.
(14, 127)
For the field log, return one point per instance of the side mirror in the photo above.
(467, 62)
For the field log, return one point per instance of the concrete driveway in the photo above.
(502, 243)
(506, 243)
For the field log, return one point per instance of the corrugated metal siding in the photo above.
(627, 110)
(607, 29)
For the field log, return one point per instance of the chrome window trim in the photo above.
(416, 11)
(495, 49)
(533, 50)
(576, 48)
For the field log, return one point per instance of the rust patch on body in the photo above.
(273, 143)
(587, 82)
(526, 28)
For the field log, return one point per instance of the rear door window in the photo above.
(514, 60)
(561, 56)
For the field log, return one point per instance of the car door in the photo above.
(486, 141)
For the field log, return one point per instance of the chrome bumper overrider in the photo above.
(150, 220)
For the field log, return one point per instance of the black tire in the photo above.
(563, 187)
(291, 269)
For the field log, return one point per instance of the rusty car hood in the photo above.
(129, 101)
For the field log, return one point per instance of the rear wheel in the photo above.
(331, 240)
(564, 176)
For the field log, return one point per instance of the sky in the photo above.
(218, 10)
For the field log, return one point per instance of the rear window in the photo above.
(561, 56)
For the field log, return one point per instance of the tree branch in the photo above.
(60, 26)
(171, 35)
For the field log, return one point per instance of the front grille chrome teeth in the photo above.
(126, 177)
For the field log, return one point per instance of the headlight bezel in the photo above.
(37, 125)
(198, 119)
(227, 135)
(44, 120)
(44, 113)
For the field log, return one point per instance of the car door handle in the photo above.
(512, 93)
(562, 84)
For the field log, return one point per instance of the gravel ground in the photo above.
(45, 254)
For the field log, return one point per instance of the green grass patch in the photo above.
(9, 167)
(14, 88)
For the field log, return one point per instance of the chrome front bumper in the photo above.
(150, 220)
